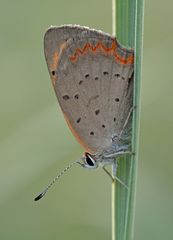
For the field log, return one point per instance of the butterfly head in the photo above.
(89, 161)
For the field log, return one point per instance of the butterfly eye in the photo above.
(90, 162)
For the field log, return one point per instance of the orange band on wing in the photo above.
(55, 61)
(54, 66)
(102, 47)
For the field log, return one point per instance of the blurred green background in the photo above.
(35, 142)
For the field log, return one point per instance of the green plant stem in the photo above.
(113, 209)
(129, 32)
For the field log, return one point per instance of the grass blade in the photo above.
(129, 32)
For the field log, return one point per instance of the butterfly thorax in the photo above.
(107, 156)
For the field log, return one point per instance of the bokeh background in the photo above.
(35, 142)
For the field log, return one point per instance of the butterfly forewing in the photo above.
(90, 73)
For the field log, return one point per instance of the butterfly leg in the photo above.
(109, 174)
(127, 120)
(119, 154)
(115, 177)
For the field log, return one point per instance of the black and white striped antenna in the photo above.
(39, 196)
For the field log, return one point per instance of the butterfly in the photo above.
(92, 75)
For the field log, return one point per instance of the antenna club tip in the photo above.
(38, 197)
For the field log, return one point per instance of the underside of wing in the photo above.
(92, 77)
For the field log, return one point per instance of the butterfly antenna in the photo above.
(55, 179)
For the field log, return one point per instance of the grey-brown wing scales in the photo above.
(91, 84)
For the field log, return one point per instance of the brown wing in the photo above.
(90, 73)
